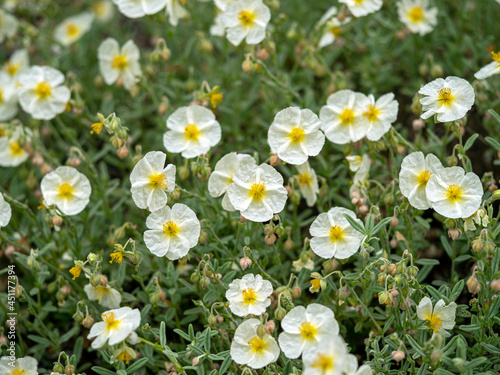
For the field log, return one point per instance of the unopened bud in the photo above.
(275, 160)
(454, 233)
(473, 285)
(270, 326)
(122, 152)
(296, 291)
(289, 245)
(69, 370)
(245, 263)
(495, 285)
(391, 269)
(280, 313)
(496, 195)
(270, 239)
(394, 222)
(418, 124)
(204, 282)
(384, 297)
(220, 319)
(398, 355)
(154, 298)
(183, 172)
(247, 66)
(58, 367)
(18, 291)
(412, 271)
(95, 279)
(261, 330)
(477, 245)
(78, 316)
(57, 220)
(212, 320)
(203, 238)
(88, 322)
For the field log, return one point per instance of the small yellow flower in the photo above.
(116, 257)
(75, 271)
(97, 128)
(315, 285)
(216, 99)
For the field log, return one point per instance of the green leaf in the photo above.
(102, 371)
(225, 365)
(207, 339)
(493, 142)
(73, 331)
(137, 365)
(163, 334)
(495, 115)
(470, 328)
(181, 333)
(414, 345)
(447, 247)
(380, 225)
(490, 348)
(427, 262)
(457, 290)
(434, 292)
(355, 224)
(470, 141)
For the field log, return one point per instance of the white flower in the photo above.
(295, 135)
(249, 295)
(172, 231)
(249, 349)
(449, 98)
(175, 12)
(117, 326)
(246, 19)
(222, 176)
(332, 27)
(333, 236)
(222, 4)
(150, 180)
(490, 69)
(22, 366)
(440, 318)
(378, 115)
(480, 217)
(72, 28)
(18, 62)
(305, 328)
(342, 117)
(362, 170)
(42, 93)
(8, 25)
(354, 162)
(68, 189)
(351, 366)
(218, 29)
(416, 171)
(5, 212)
(299, 264)
(8, 98)
(417, 16)
(103, 10)
(139, 8)
(454, 194)
(12, 152)
(257, 192)
(192, 131)
(308, 183)
(361, 8)
(115, 62)
(327, 359)
(105, 295)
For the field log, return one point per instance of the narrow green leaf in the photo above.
(163, 334)
(102, 371)
(470, 141)
(380, 225)
(355, 224)
(493, 142)
(495, 115)
(491, 348)
(137, 365)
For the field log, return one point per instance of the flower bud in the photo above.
(454, 233)
(473, 285)
(57, 220)
(412, 271)
(212, 320)
(279, 230)
(69, 369)
(270, 239)
(78, 316)
(398, 355)
(261, 330)
(400, 268)
(384, 297)
(296, 291)
(58, 367)
(154, 298)
(270, 326)
(418, 124)
(391, 269)
(122, 152)
(95, 279)
(381, 278)
(88, 322)
(18, 290)
(203, 238)
(195, 276)
(183, 172)
(280, 313)
(496, 195)
(274, 160)
(204, 282)
(247, 66)
(245, 263)
(394, 222)
(495, 285)
(477, 245)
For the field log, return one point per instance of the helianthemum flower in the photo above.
(417, 16)
(139, 8)
(5, 212)
(440, 318)
(308, 183)
(42, 93)
(222, 176)
(416, 171)
(8, 25)
(249, 295)
(295, 135)
(66, 188)
(115, 62)
(248, 348)
(8, 97)
(333, 236)
(490, 69)
(449, 98)
(103, 10)
(21, 366)
(17, 63)
(454, 194)
(351, 366)
(304, 328)
(72, 28)
(151, 180)
(327, 359)
(175, 11)
(379, 115)
(172, 231)
(116, 326)
(361, 8)
(332, 27)
(246, 19)
(342, 117)
(257, 192)
(193, 130)
(12, 148)
(105, 295)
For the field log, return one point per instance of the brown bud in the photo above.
(495, 285)
(104, 280)
(88, 322)
(296, 291)
(473, 285)
(274, 160)
(75, 162)
(392, 269)
(122, 152)
(245, 263)
(247, 66)
(270, 239)
(398, 355)
(37, 160)
(57, 220)
(270, 326)
(66, 289)
(262, 54)
(418, 124)
(289, 245)
(454, 233)
(394, 222)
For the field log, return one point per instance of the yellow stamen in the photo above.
(216, 99)
(454, 193)
(101, 291)
(66, 191)
(75, 271)
(371, 113)
(170, 229)
(249, 296)
(347, 117)
(1, 96)
(246, 18)
(99, 8)
(416, 14)
(495, 56)
(336, 233)
(308, 331)
(316, 284)
(158, 181)
(323, 362)
(124, 357)
(18, 371)
(336, 31)
(304, 179)
(97, 128)
(257, 191)
(191, 132)
(257, 344)
(110, 320)
(434, 322)
(11, 68)
(119, 62)
(423, 178)
(15, 149)
(445, 96)
(72, 29)
(297, 135)
(116, 257)
(43, 90)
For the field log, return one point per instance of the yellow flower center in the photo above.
(297, 135)
(257, 344)
(75, 271)
(371, 113)
(43, 90)
(15, 149)
(445, 96)
(246, 18)
(191, 132)
(216, 99)
(347, 117)
(18, 371)
(496, 56)
(304, 179)
(316, 284)
(416, 14)
(116, 257)
(110, 320)
(308, 331)
(119, 62)
(124, 357)
(101, 291)
(336, 31)
(249, 296)
(257, 191)
(11, 68)
(99, 8)
(158, 181)
(323, 362)
(1, 96)
(72, 29)
(423, 178)
(434, 322)
(454, 193)
(170, 229)
(65, 191)
(336, 233)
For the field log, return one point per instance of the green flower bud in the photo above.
(280, 313)
(261, 330)
(95, 279)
